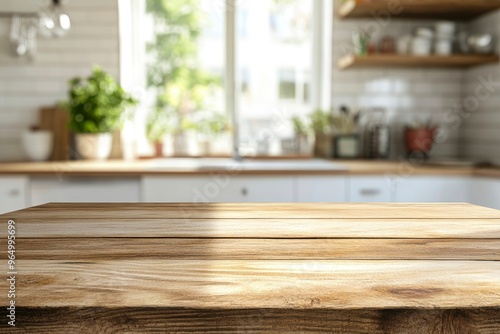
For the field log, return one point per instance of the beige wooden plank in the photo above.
(423, 9)
(184, 321)
(410, 61)
(255, 228)
(85, 249)
(255, 210)
(207, 284)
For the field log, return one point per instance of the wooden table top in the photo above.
(120, 168)
(239, 256)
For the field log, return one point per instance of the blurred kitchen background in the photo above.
(366, 85)
(282, 57)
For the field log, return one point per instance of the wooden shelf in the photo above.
(426, 9)
(388, 61)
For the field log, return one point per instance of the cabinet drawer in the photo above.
(84, 190)
(13, 193)
(327, 189)
(485, 192)
(432, 189)
(370, 189)
(217, 188)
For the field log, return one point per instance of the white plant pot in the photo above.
(221, 145)
(185, 144)
(38, 145)
(93, 146)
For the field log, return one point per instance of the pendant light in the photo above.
(54, 21)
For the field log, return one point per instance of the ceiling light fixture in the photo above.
(54, 21)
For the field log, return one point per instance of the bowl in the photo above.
(38, 144)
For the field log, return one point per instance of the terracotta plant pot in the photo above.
(158, 149)
(419, 139)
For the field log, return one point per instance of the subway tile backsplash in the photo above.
(481, 129)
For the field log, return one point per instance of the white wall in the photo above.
(25, 86)
(481, 130)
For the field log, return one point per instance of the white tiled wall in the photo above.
(25, 86)
(404, 93)
(481, 127)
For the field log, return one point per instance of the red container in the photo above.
(419, 139)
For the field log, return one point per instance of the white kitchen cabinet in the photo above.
(370, 189)
(430, 189)
(321, 188)
(85, 189)
(13, 193)
(219, 187)
(485, 192)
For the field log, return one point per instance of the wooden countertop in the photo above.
(258, 268)
(119, 168)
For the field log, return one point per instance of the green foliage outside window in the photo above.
(182, 87)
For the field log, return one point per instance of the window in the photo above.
(287, 84)
(257, 63)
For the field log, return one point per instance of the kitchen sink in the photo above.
(259, 165)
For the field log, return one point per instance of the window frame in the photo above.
(321, 76)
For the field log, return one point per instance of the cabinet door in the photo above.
(370, 189)
(486, 192)
(13, 193)
(321, 189)
(95, 190)
(432, 189)
(217, 188)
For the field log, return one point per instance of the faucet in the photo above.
(236, 142)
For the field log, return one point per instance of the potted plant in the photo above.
(347, 143)
(419, 138)
(157, 128)
(301, 138)
(214, 129)
(96, 106)
(320, 125)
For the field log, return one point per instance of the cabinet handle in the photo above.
(244, 191)
(370, 192)
(14, 192)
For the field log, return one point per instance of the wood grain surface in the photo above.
(423, 9)
(120, 168)
(411, 61)
(183, 321)
(256, 268)
(282, 211)
(89, 249)
(240, 284)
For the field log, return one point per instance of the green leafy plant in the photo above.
(299, 126)
(215, 125)
(320, 122)
(346, 122)
(157, 126)
(182, 87)
(97, 103)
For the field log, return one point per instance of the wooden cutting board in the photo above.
(56, 119)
